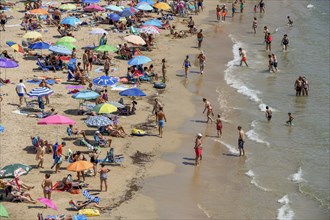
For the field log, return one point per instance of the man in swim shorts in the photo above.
(200, 37)
(241, 140)
(20, 90)
(202, 58)
(3, 20)
(198, 149)
(161, 121)
(242, 53)
(268, 113)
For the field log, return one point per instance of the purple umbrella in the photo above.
(7, 63)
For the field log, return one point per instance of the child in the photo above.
(290, 119)
(219, 126)
(255, 9)
(290, 22)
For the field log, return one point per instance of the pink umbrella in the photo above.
(151, 26)
(56, 120)
(48, 203)
(93, 7)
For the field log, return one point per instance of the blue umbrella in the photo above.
(132, 92)
(150, 2)
(114, 8)
(126, 13)
(86, 95)
(90, 1)
(144, 6)
(138, 60)
(2, 129)
(60, 50)
(98, 121)
(105, 81)
(114, 17)
(40, 92)
(153, 22)
(39, 45)
(38, 81)
(73, 21)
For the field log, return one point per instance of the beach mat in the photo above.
(48, 81)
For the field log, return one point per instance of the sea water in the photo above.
(286, 172)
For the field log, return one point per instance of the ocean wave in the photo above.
(231, 148)
(297, 177)
(204, 210)
(310, 6)
(251, 174)
(254, 136)
(262, 107)
(223, 104)
(285, 212)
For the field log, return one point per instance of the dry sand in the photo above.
(123, 181)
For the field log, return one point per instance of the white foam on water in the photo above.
(231, 148)
(285, 212)
(204, 211)
(297, 177)
(262, 107)
(233, 81)
(251, 174)
(254, 136)
(310, 6)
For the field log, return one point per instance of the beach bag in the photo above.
(89, 212)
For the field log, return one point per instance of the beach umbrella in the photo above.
(32, 35)
(150, 2)
(149, 30)
(98, 31)
(138, 60)
(40, 92)
(39, 45)
(144, 6)
(14, 170)
(127, 12)
(132, 92)
(68, 7)
(90, 1)
(47, 202)
(93, 7)
(98, 121)
(114, 17)
(104, 108)
(60, 50)
(73, 21)
(15, 46)
(117, 104)
(7, 63)
(105, 81)
(68, 45)
(56, 120)
(2, 129)
(114, 8)
(105, 48)
(67, 39)
(134, 39)
(3, 211)
(38, 11)
(79, 165)
(162, 6)
(86, 95)
(151, 26)
(153, 22)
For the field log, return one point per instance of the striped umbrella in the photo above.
(149, 30)
(98, 121)
(15, 46)
(40, 91)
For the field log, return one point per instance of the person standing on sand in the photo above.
(242, 53)
(200, 38)
(241, 140)
(85, 61)
(103, 177)
(218, 125)
(202, 59)
(164, 69)
(161, 121)
(186, 64)
(254, 25)
(268, 113)
(208, 107)
(3, 20)
(156, 108)
(200, 5)
(107, 66)
(20, 90)
(47, 186)
(218, 12)
(40, 154)
(58, 156)
(198, 149)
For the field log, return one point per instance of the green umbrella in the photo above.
(3, 211)
(68, 7)
(14, 170)
(68, 45)
(67, 39)
(105, 48)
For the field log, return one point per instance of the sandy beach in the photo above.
(124, 182)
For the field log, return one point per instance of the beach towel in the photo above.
(99, 70)
(34, 81)
(21, 112)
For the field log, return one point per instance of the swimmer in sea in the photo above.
(290, 22)
(268, 113)
(242, 53)
(289, 122)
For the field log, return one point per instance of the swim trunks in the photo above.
(244, 59)
(240, 144)
(198, 151)
(161, 123)
(20, 94)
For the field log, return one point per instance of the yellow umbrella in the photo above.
(32, 35)
(104, 108)
(162, 6)
(68, 7)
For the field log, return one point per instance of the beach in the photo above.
(280, 177)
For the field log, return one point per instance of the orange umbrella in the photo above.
(80, 165)
(39, 11)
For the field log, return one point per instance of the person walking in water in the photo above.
(161, 121)
(103, 177)
(218, 12)
(242, 53)
(209, 109)
(202, 59)
(305, 86)
(269, 40)
(290, 22)
(298, 86)
(261, 6)
(198, 149)
(285, 42)
(275, 62)
(254, 25)
(186, 64)
(241, 140)
(268, 113)
(200, 38)
(289, 122)
(218, 124)
(47, 186)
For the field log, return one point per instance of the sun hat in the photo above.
(199, 135)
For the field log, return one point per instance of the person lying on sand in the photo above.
(18, 195)
(117, 131)
(43, 115)
(85, 204)
(14, 183)
(76, 131)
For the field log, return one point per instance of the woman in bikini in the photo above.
(103, 177)
(47, 186)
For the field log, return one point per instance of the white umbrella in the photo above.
(135, 39)
(98, 31)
